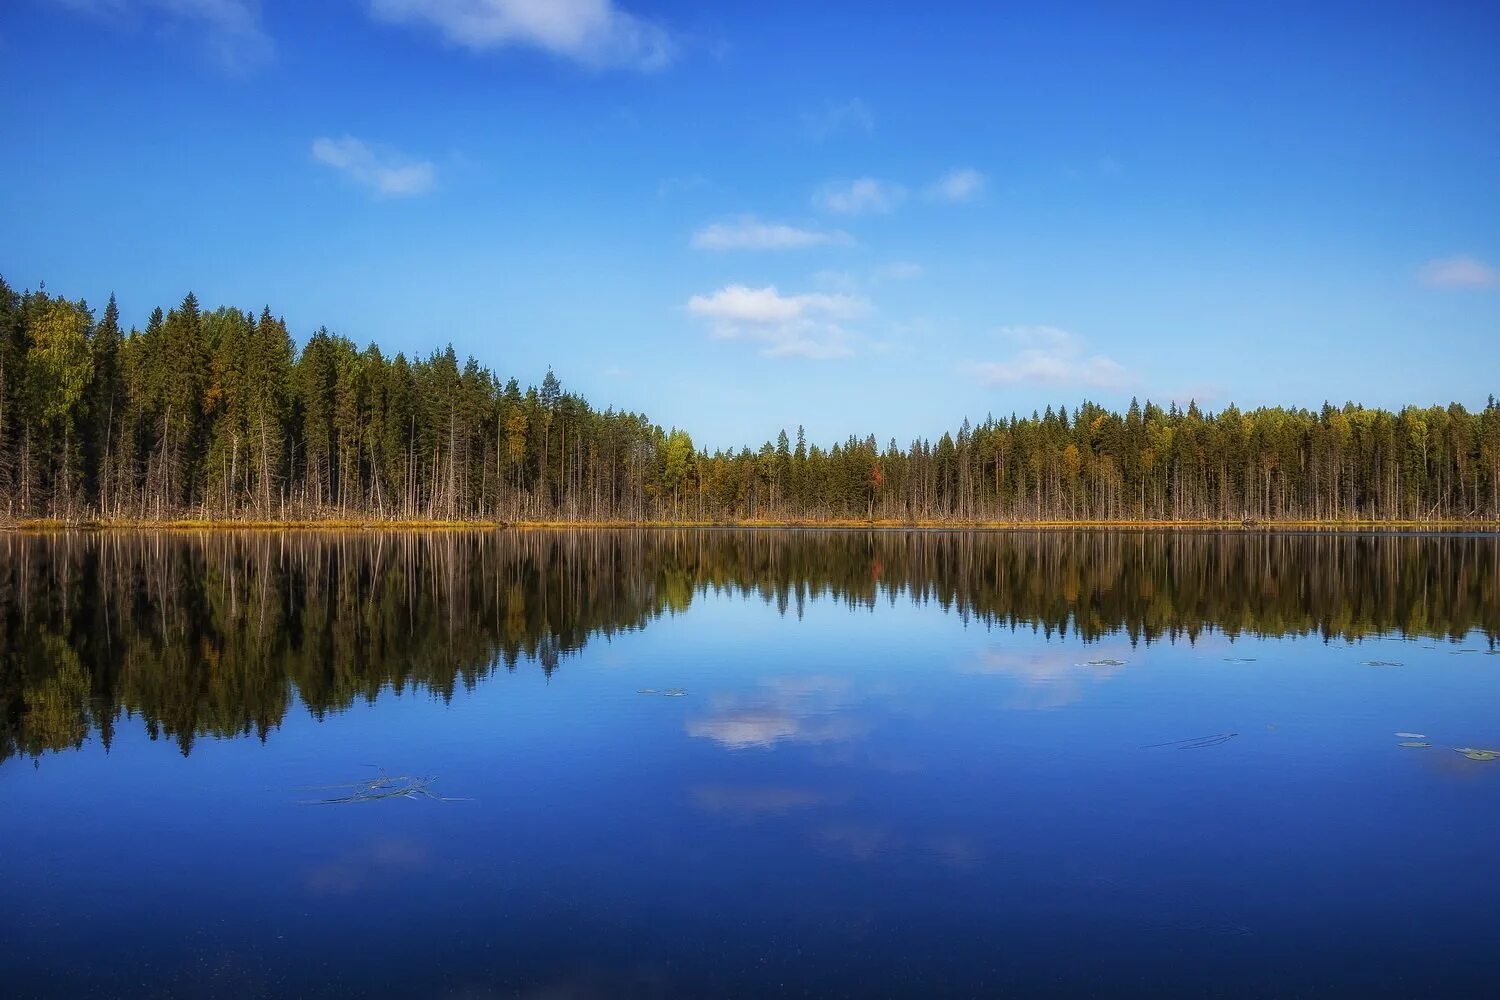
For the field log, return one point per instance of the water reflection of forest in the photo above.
(215, 634)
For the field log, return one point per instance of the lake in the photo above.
(694, 763)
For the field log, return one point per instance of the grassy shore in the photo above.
(376, 524)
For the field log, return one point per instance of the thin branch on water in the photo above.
(400, 786)
(1195, 742)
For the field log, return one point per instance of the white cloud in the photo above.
(1048, 355)
(231, 30)
(804, 326)
(865, 196)
(749, 233)
(956, 186)
(596, 33)
(1460, 272)
(382, 170)
(740, 303)
(836, 117)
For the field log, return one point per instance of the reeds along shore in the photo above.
(219, 415)
(374, 524)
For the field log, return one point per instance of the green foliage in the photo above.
(58, 369)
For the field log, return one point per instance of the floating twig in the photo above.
(1195, 742)
(385, 786)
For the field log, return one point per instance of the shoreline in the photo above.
(382, 525)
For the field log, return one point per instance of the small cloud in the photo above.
(803, 326)
(1459, 272)
(382, 170)
(1047, 354)
(766, 305)
(231, 30)
(749, 233)
(595, 33)
(956, 186)
(864, 196)
(836, 117)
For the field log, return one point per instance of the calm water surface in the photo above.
(868, 764)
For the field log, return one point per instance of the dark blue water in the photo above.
(910, 766)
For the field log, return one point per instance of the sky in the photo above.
(742, 217)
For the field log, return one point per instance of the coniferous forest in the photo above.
(218, 415)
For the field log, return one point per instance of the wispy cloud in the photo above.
(595, 33)
(230, 30)
(956, 185)
(838, 117)
(809, 325)
(1046, 354)
(1459, 272)
(749, 233)
(382, 170)
(864, 196)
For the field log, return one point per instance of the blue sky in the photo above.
(741, 217)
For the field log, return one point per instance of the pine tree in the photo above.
(104, 402)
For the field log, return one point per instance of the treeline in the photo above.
(219, 415)
(221, 634)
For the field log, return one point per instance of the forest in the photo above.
(220, 415)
